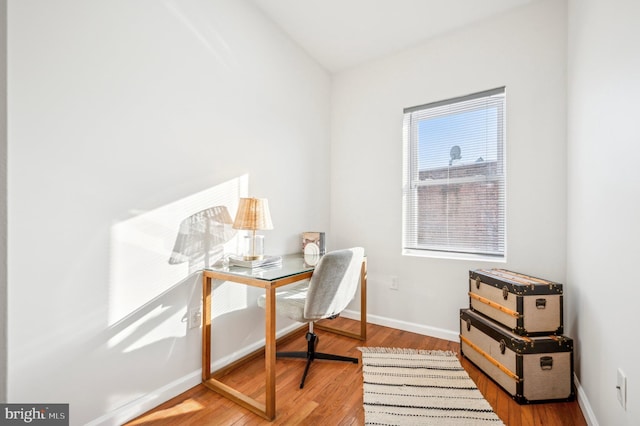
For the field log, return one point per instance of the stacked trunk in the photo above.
(513, 332)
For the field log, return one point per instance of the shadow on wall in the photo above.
(141, 349)
(153, 283)
(202, 237)
(153, 251)
(135, 342)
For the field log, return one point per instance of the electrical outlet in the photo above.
(621, 389)
(394, 283)
(194, 317)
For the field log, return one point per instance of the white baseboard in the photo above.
(440, 333)
(149, 401)
(583, 402)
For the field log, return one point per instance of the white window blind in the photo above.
(454, 175)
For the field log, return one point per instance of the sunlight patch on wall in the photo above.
(129, 334)
(164, 328)
(143, 261)
(228, 297)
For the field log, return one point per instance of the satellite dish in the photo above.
(455, 154)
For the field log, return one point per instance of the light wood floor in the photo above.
(333, 390)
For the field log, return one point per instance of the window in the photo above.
(454, 176)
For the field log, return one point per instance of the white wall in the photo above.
(525, 51)
(124, 118)
(604, 201)
(3, 200)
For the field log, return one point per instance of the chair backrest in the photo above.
(333, 283)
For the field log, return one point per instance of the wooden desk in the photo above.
(293, 269)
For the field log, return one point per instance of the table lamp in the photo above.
(253, 215)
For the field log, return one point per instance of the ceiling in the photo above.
(340, 34)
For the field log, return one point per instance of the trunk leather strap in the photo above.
(494, 305)
(489, 358)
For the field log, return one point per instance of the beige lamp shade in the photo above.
(253, 214)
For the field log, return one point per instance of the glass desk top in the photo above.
(292, 264)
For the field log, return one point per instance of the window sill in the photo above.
(453, 256)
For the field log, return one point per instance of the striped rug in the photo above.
(416, 387)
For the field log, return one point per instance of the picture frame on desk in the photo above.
(313, 243)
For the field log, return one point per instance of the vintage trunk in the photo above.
(528, 306)
(530, 369)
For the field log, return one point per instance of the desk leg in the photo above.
(270, 353)
(206, 328)
(363, 300)
(268, 409)
(363, 310)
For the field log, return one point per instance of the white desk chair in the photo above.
(327, 293)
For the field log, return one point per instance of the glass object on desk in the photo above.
(253, 215)
(253, 247)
